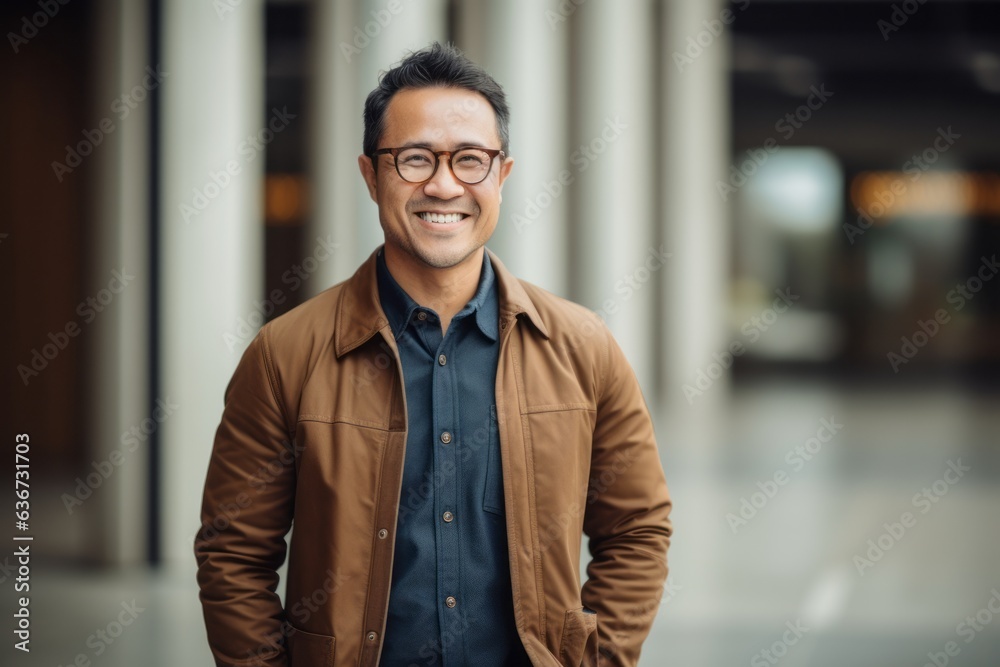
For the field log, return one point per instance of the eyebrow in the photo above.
(458, 146)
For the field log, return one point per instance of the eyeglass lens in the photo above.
(469, 165)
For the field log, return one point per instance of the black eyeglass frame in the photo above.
(394, 152)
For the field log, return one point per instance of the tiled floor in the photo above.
(731, 593)
(795, 560)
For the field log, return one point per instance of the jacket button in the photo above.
(421, 315)
(372, 636)
(382, 534)
(446, 437)
(448, 517)
(442, 360)
(450, 601)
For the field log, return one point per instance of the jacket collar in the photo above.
(360, 315)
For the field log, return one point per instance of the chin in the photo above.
(445, 258)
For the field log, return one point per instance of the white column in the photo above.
(118, 397)
(695, 219)
(694, 327)
(531, 237)
(212, 260)
(352, 42)
(613, 160)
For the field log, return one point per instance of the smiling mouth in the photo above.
(442, 218)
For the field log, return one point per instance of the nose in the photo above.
(444, 185)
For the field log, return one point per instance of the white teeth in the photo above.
(442, 218)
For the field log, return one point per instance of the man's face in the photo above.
(439, 119)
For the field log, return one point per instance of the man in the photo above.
(440, 432)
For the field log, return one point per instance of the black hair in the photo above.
(436, 65)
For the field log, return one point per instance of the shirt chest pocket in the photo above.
(493, 499)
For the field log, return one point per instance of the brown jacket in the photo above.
(314, 430)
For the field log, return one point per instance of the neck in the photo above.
(444, 290)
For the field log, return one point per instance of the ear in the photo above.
(368, 173)
(505, 168)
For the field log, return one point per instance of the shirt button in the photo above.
(372, 636)
(442, 360)
(450, 601)
(448, 517)
(446, 437)
(421, 315)
(382, 534)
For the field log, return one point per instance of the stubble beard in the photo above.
(438, 260)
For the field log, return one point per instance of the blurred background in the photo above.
(788, 212)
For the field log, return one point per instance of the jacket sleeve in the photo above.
(246, 512)
(627, 517)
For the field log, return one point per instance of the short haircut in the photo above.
(438, 65)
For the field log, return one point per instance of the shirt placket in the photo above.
(446, 428)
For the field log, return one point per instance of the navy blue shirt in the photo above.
(450, 603)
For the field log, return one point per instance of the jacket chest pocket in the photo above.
(493, 495)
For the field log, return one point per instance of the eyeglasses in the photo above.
(418, 165)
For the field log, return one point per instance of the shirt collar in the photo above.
(399, 306)
(359, 314)
(486, 302)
